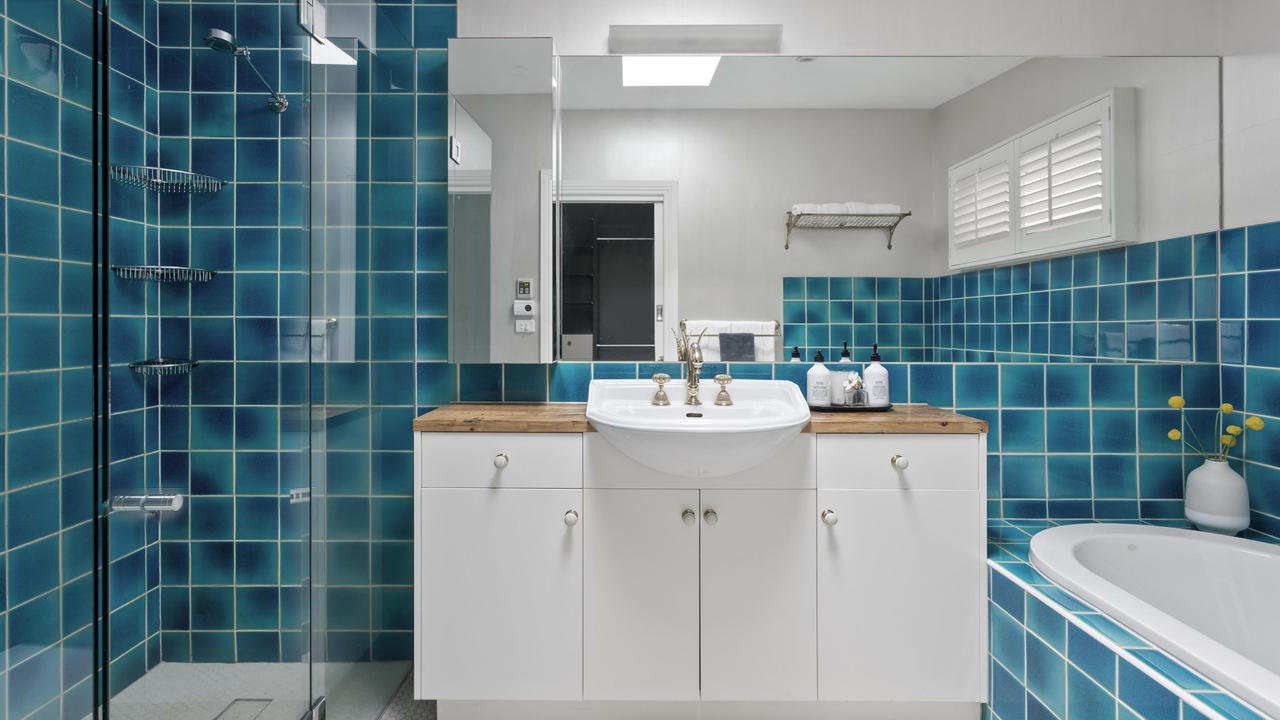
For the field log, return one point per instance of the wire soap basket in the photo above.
(165, 180)
(163, 366)
(163, 273)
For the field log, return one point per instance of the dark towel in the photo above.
(737, 347)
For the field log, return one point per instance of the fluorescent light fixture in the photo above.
(324, 52)
(668, 70)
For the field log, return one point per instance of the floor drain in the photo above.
(243, 709)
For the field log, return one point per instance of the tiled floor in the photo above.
(404, 707)
(266, 691)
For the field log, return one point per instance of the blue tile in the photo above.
(932, 384)
(1147, 697)
(1067, 385)
(1022, 385)
(1141, 262)
(977, 385)
(1085, 700)
(1046, 676)
(1008, 694)
(1008, 640)
(1264, 247)
(1022, 431)
(1046, 623)
(1175, 257)
(1023, 476)
(1114, 431)
(569, 382)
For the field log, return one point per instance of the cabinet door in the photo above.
(640, 599)
(900, 595)
(758, 587)
(500, 583)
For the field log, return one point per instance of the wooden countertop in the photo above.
(572, 418)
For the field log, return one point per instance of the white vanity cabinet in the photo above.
(901, 547)
(551, 567)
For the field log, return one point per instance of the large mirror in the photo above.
(696, 190)
(502, 163)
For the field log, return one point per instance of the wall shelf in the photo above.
(844, 221)
(163, 366)
(165, 180)
(163, 273)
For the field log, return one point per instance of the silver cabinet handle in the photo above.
(899, 462)
(571, 518)
(501, 460)
(689, 517)
(711, 517)
(830, 518)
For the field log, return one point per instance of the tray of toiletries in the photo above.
(850, 408)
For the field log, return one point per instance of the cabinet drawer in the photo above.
(934, 462)
(500, 460)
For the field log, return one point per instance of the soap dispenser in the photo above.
(818, 383)
(840, 375)
(795, 353)
(876, 379)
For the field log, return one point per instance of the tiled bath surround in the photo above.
(1052, 656)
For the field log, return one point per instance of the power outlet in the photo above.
(525, 327)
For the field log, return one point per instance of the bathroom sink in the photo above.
(697, 441)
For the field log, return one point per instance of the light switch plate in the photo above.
(524, 327)
(524, 288)
(524, 308)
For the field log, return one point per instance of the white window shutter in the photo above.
(982, 207)
(1065, 180)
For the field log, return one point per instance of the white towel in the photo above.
(857, 208)
(885, 209)
(766, 342)
(711, 341)
(832, 208)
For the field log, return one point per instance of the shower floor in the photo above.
(256, 691)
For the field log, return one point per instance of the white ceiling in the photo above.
(500, 66)
(876, 83)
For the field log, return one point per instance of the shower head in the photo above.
(221, 41)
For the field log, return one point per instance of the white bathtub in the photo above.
(1209, 600)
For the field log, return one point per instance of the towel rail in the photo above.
(777, 331)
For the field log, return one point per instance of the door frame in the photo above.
(663, 194)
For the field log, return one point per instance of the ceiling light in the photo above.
(668, 70)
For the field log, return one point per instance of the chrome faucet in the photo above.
(690, 352)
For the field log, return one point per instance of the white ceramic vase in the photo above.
(1217, 498)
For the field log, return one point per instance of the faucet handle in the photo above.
(722, 397)
(660, 397)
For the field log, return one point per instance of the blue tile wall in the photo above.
(47, 581)
(1250, 338)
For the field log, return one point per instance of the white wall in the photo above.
(1251, 112)
(739, 171)
(520, 128)
(1176, 128)
(933, 27)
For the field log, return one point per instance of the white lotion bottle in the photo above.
(840, 374)
(818, 383)
(876, 379)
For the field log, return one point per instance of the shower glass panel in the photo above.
(209, 334)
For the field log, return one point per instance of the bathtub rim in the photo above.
(1052, 553)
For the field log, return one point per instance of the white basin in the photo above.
(697, 441)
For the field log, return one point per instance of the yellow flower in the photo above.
(1175, 434)
(1227, 408)
(1228, 441)
(1254, 423)
(1234, 430)
(1177, 402)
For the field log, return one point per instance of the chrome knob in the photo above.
(711, 517)
(830, 518)
(571, 518)
(899, 462)
(689, 517)
(501, 460)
